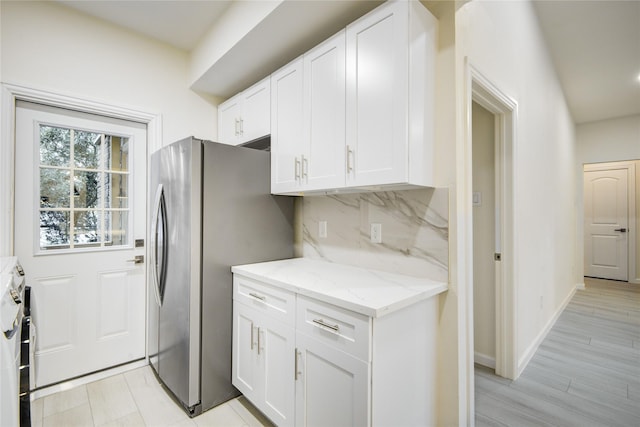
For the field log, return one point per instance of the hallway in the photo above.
(585, 373)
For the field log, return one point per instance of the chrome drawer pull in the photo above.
(256, 296)
(321, 322)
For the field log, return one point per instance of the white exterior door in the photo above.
(606, 224)
(79, 209)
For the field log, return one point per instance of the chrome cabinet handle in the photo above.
(305, 167)
(349, 159)
(258, 340)
(138, 259)
(297, 169)
(236, 127)
(256, 296)
(296, 366)
(251, 336)
(321, 322)
(241, 126)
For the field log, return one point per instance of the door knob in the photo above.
(138, 259)
(622, 230)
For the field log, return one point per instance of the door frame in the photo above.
(480, 89)
(630, 166)
(9, 95)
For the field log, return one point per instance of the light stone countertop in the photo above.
(369, 292)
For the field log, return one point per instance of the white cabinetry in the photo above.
(333, 370)
(308, 116)
(367, 106)
(286, 128)
(390, 99)
(264, 349)
(367, 364)
(246, 116)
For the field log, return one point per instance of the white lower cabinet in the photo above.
(304, 362)
(263, 362)
(331, 386)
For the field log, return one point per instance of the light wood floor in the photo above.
(585, 373)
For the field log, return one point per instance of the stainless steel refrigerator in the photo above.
(211, 209)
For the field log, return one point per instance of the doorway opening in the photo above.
(495, 269)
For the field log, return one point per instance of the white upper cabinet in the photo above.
(324, 115)
(286, 128)
(367, 107)
(246, 116)
(390, 97)
(309, 154)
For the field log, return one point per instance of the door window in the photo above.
(83, 188)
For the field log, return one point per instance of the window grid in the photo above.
(101, 205)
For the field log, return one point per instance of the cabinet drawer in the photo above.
(274, 302)
(334, 326)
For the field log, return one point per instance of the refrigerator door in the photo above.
(179, 320)
(153, 310)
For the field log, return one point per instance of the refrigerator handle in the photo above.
(157, 271)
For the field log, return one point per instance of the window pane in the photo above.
(117, 153)
(54, 188)
(86, 227)
(86, 149)
(116, 225)
(54, 229)
(54, 146)
(86, 189)
(116, 185)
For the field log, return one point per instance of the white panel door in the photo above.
(377, 96)
(80, 206)
(606, 224)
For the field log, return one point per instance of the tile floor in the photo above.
(134, 398)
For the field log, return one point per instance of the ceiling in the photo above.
(595, 44)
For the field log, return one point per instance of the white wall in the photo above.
(48, 46)
(606, 141)
(503, 41)
(484, 295)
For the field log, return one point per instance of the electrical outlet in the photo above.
(322, 229)
(376, 233)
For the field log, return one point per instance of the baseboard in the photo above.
(581, 286)
(531, 350)
(484, 360)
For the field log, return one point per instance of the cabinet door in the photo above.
(377, 96)
(246, 364)
(324, 121)
(331, 387)
(256, 111)
(286, 128)
(277, 354)
(229, 121)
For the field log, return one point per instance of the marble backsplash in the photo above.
(415, 231)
